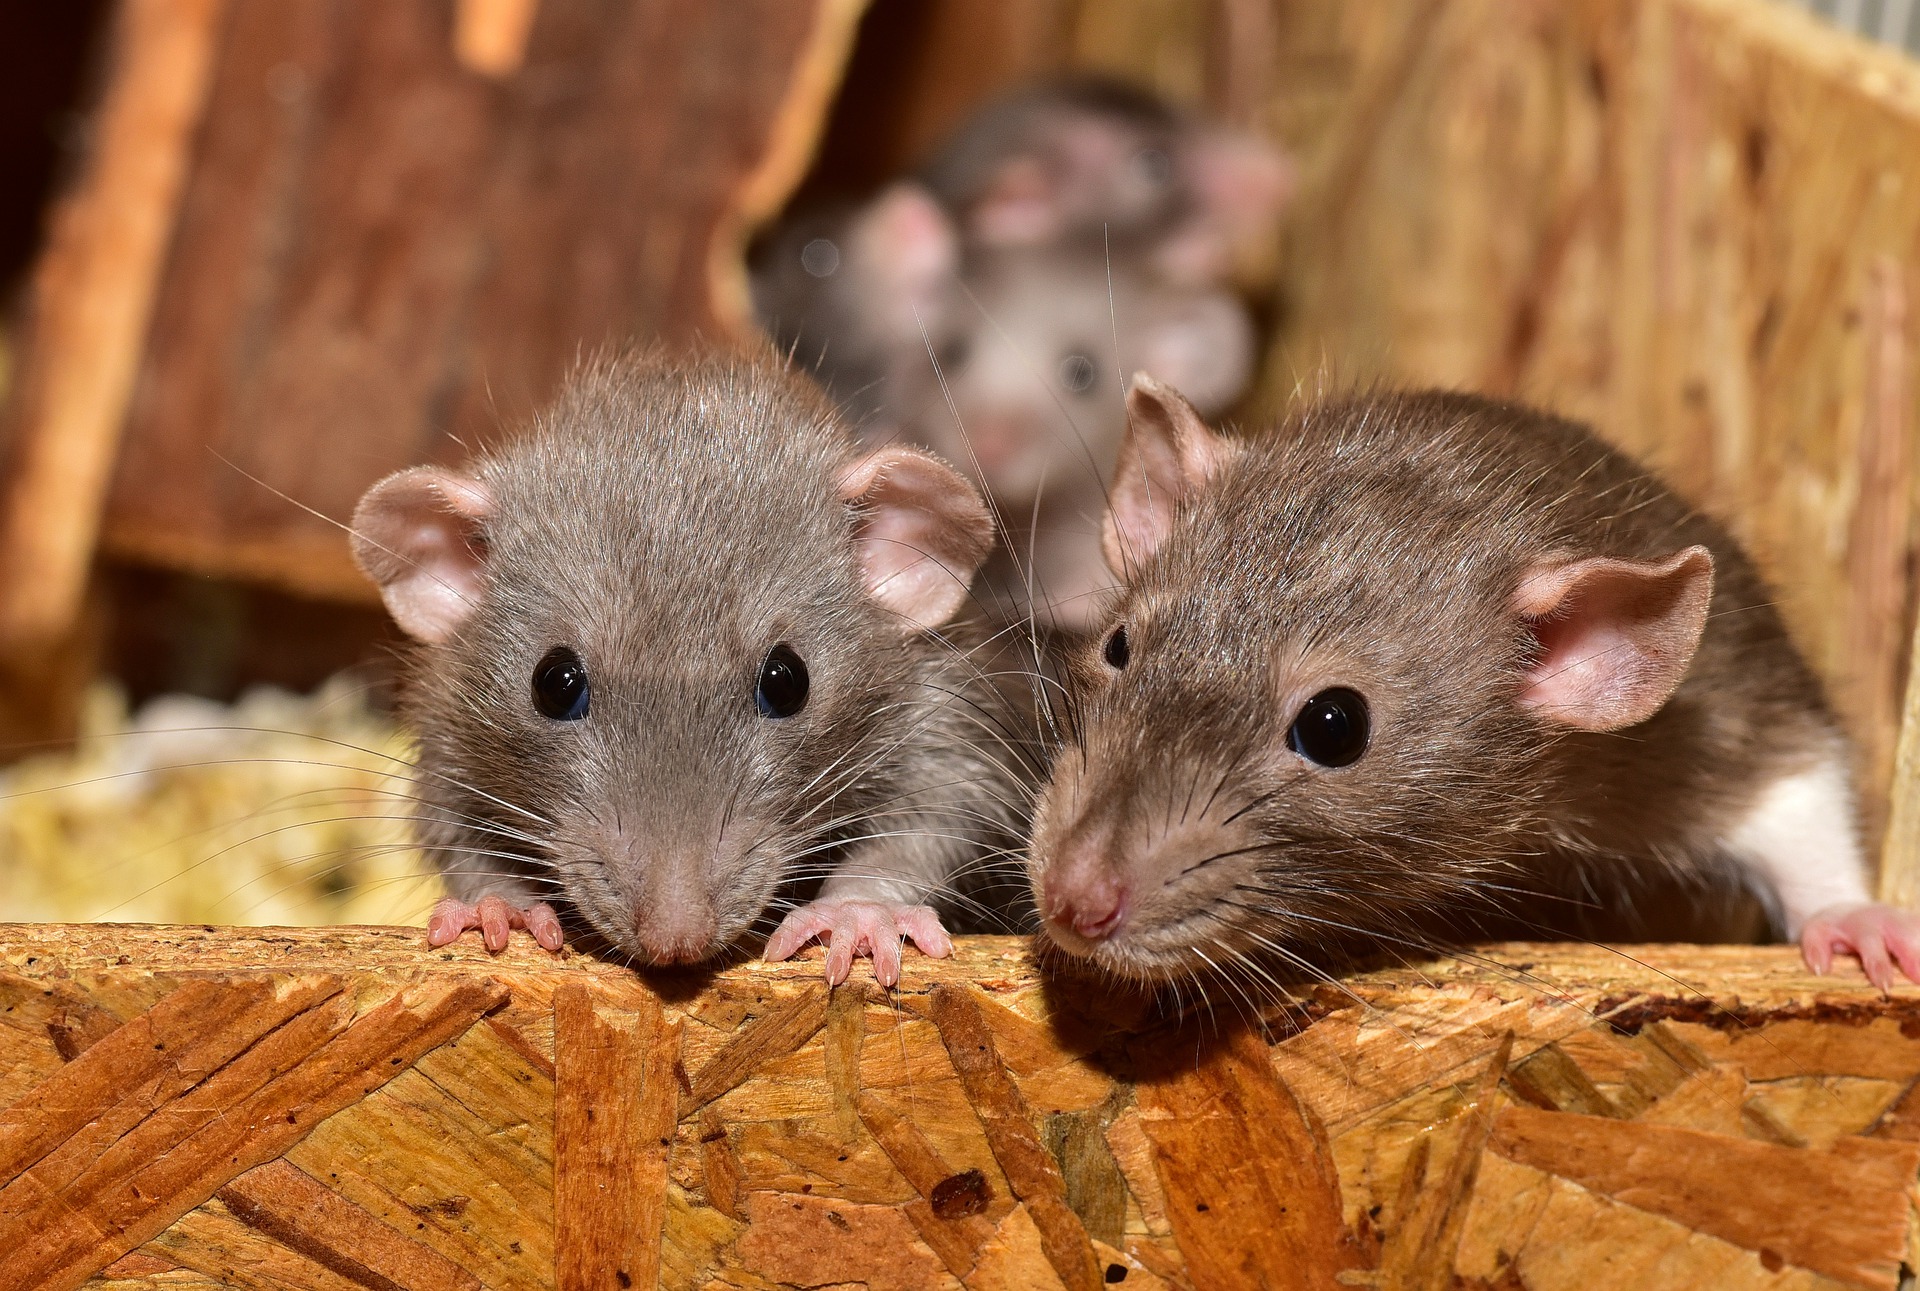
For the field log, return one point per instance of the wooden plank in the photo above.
(385, 255)
(1900, 855)
(118, 1082)
(614, 1112)
(91, 300)
(448, 1170)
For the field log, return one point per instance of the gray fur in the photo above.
(672, 523)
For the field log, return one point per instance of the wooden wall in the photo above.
(1691, 222)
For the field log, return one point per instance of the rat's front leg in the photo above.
(852, 925)
(495, 913)
(1801, 840)
(1879, 936)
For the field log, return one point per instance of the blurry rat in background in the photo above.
(987, 307)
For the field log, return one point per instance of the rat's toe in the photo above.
(544, 924)
(449, 919)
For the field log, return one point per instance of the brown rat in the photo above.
(1423, 667)
(679, 654)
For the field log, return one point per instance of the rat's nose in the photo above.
(1082, 892)
(677, 935)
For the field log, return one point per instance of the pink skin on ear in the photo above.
(921, 531)
(1167, 456)
(1615, 636)
(418, 535)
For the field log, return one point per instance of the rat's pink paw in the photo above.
(1880, 935)
(852, 928)
(496, 918)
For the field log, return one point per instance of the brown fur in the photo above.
(1378, 543)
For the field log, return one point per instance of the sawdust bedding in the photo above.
(279, 809)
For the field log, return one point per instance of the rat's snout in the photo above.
(1082, 891)
(680, 931)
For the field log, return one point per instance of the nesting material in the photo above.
(346, 1109)
(279, 809)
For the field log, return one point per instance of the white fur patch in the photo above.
(1802, 839)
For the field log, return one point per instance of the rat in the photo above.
(1427, 667)
(1082, 160)
(1094, 159)
(1025, 393)
(987, 306)
(1007, 361)
(680, 653)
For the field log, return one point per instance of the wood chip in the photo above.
(296, 1210)
(250, 1111)
(1251, 1188)
(817, 1241)
(1418, 1255)
(773, 1034)
(1842, 1213)
(1031, 1171)
(614, 1112)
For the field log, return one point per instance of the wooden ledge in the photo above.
(342, 1108)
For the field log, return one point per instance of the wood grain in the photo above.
(91, 300)
(404, 223)
(1755, 1126)
(614, 1100)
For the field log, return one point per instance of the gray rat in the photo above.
(1421, 667)
(1025, 395)
(679, 653)
(1065, 234)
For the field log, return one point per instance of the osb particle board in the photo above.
(344, 1108)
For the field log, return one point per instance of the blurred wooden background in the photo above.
(1692, 222)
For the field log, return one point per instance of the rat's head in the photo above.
(665, 637)
(1319, 706)
(1100, 160)
(1005, 358)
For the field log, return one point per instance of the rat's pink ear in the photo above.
(1240, 185)
(904, 250)
(1168, 455)
(921, 531)
(418, 535)
(1615, 636)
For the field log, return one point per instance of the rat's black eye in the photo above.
(560, 685)
(1078, 373)
(1332, 729)
(1116, 651)
(783, 683)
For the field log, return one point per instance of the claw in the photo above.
(496, 918)
(853, 928)
(1879, 936)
